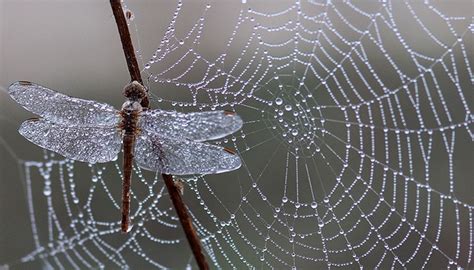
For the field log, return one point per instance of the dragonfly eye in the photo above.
(134, 91)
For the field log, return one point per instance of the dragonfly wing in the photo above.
(198, 126)
(178, 157)
(87, 144)
(60, 108)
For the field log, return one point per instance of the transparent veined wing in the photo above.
(197, 126)
(87, 144)
(178, 157)
(60, 108)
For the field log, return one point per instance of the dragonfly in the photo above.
(167, 142)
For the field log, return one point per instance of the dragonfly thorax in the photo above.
(130, 106)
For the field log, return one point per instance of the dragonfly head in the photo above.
(134, 91)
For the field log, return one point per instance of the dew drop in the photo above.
(278, 101)
(47, 191)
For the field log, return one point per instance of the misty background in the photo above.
(74, 48)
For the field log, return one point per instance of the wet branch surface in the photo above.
(173, 191)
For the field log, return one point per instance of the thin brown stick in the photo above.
(183, 215)
(175, 195)
(127, 46)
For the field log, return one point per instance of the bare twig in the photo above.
(127, 45)
(173, 191)
(183, 215)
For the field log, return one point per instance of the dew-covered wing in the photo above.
(197, 126)
(178, 157)
(60, 108)
(87, 144)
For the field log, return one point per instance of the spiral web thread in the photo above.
(357, 124)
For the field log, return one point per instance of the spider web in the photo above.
(355, 146)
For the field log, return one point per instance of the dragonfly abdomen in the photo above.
(129, 125)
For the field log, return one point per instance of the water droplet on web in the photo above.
(288, 107)
(278, 101)
(47, 191)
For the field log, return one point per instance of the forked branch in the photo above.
(173, 191)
